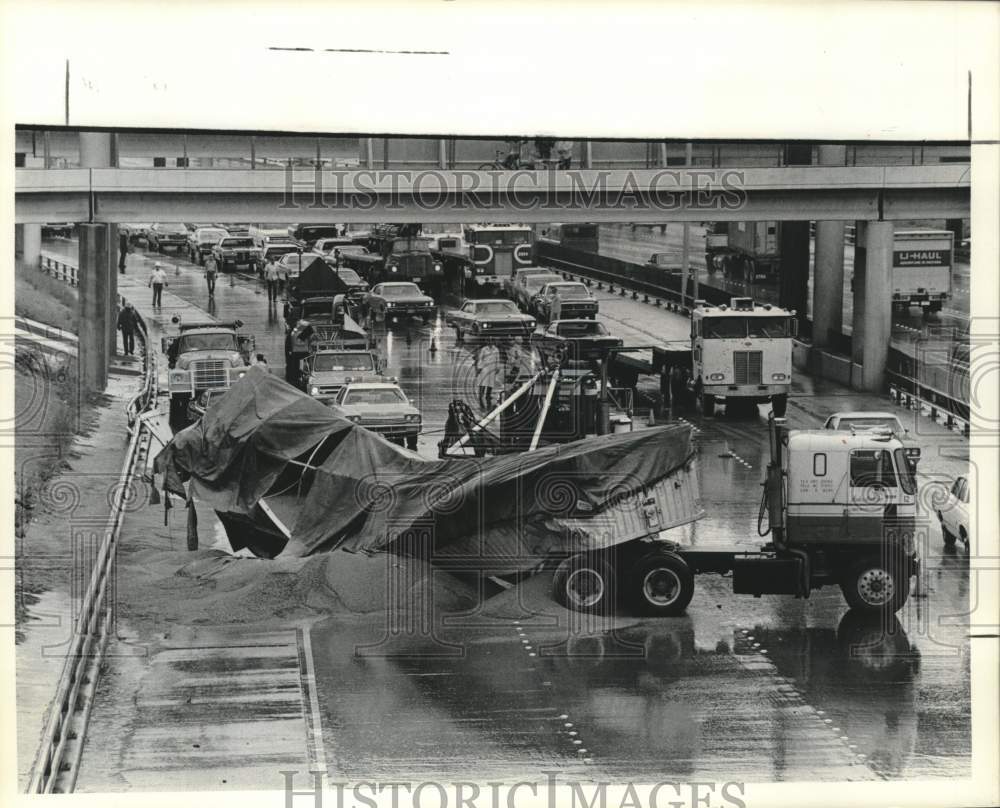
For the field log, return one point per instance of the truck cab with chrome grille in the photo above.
(204, 356)
(742, 351)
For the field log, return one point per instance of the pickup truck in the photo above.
(325, 371)
(232, 251)
(201, 241)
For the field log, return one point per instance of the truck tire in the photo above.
(877, 583)
(707, 404)
(584, 583)
(411, 442)
(660, 583)
(779, 405)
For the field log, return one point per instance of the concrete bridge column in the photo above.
(872, 304)
(112, 289)
(31, 245)
(92, 286)
(793, 288)
(828, 273)
(98, 265)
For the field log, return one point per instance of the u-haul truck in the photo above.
(921, 268)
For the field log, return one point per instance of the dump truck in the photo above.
(203, 356)
(397, 253)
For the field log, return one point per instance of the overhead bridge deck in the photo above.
(789, 193)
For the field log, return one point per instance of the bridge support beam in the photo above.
(872, 303)
(828, 272)
(111, 331)
(793, 289)
(31, 245)
(95, 265)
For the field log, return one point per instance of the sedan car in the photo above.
(357, 286)
(381, 407)
(881, 421)
(197, 406)
(327, 245)
(954, 514)
(161, 236)
(397, 300)
(485, 319)
(564, 300)
(201, 242)
(578, 339)
(526, 283)
(234, 251)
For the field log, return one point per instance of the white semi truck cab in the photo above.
(742, 351)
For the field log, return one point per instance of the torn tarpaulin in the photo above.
(355, 490)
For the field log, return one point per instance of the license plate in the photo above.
(411, 311)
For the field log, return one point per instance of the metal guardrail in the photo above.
(56, 765)
(940, 389)
(58, 267)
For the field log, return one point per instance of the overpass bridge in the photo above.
(431, 180)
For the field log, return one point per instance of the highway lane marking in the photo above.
(310, 702)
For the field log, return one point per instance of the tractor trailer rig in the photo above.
(839, 511)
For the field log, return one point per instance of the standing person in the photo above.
(127, 323)
(336, 257)
(564, 153)
(489, 372)
(158, 280)
(122, 249)
(210, 270)
(271, 278)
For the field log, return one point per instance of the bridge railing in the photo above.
(59, 267)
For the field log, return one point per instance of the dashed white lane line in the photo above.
(789, 690)
(313, 719)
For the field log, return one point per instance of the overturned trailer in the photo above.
(287, 475)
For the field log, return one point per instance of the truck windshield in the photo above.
(207, 342)
(344, 361)
(236, 243)
(349, 276)
(411, 245)
(904, 467)
(767, 327)
(724, 327)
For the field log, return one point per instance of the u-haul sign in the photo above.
(921, 258)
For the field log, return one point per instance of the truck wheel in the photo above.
(707, 404)
(411, 442)
(877, 584)
(779, 404)
(584, 583)
(660, 583)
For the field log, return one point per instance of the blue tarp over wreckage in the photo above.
(344, 487)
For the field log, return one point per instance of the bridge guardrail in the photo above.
(56, 765)
(59, 267)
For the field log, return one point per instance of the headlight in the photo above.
(394, 269)
(778, 377)
(389, 304)
(531, 323)
(912, 452)
(486, 325)
(437, 267)
(354, 418)
(717, 377)
(178, 375)
(241, 374)
(314, 391)
(412, 418)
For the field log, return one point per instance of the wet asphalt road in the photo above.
(740, 688)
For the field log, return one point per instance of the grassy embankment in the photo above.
(50, 411)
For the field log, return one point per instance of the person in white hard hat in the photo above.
(158, 280)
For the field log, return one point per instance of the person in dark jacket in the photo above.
(127, 324)
(122, 250)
